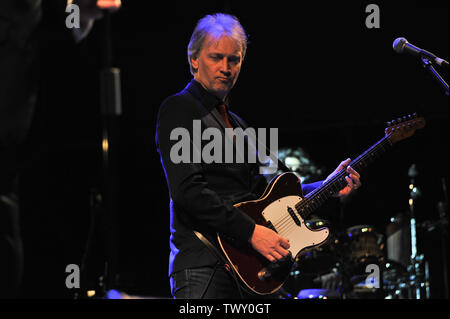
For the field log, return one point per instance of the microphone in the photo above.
(401, 45)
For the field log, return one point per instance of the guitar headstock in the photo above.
(403, 127)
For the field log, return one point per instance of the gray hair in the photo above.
(216, 25)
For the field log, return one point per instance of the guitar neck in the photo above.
(317, 197)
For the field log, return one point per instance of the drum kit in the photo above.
(353, 265)
(358, 262)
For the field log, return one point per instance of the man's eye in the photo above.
(234, 60)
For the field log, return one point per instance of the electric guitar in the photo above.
(283, 208)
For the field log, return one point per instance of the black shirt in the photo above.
(202, 195)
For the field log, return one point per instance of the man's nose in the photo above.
(225, 67)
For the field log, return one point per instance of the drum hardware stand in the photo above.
(345, 285)
(417, 279)
(443, 225)
(342, 207)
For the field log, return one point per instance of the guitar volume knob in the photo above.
(263, 274)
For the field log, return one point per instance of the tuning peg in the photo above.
(388, 124)
(399, 120)
(414, 115)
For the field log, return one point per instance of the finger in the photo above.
(269, 256)
(345, 163)
(349, 181)
(275, 254)
(283, 252)
(352, 171)
(284, 243)
(356, 180)
(355, 183)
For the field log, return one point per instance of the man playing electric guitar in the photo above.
(202, 195)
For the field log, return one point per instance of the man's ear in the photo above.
(194, 62)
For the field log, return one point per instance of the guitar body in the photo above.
(273, 209)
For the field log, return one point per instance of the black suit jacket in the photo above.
(202, 194)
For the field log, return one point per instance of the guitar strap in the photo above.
(243, 126)
(216, 252)
(211, 247)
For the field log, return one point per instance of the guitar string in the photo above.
(368, 154)
(286, 224)
(285, 218)
(281, 223)
(382, 145)
(324, 191)
(371, 152)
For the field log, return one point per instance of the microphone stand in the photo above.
(429, 66)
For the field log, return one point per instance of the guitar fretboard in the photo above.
(317, 197)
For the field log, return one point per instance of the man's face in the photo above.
(218, 65)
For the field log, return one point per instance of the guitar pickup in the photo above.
(294, 216)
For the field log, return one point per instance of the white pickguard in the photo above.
(300, 237)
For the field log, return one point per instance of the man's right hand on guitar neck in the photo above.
(269, 244)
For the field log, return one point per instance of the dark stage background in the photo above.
(314, 71)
